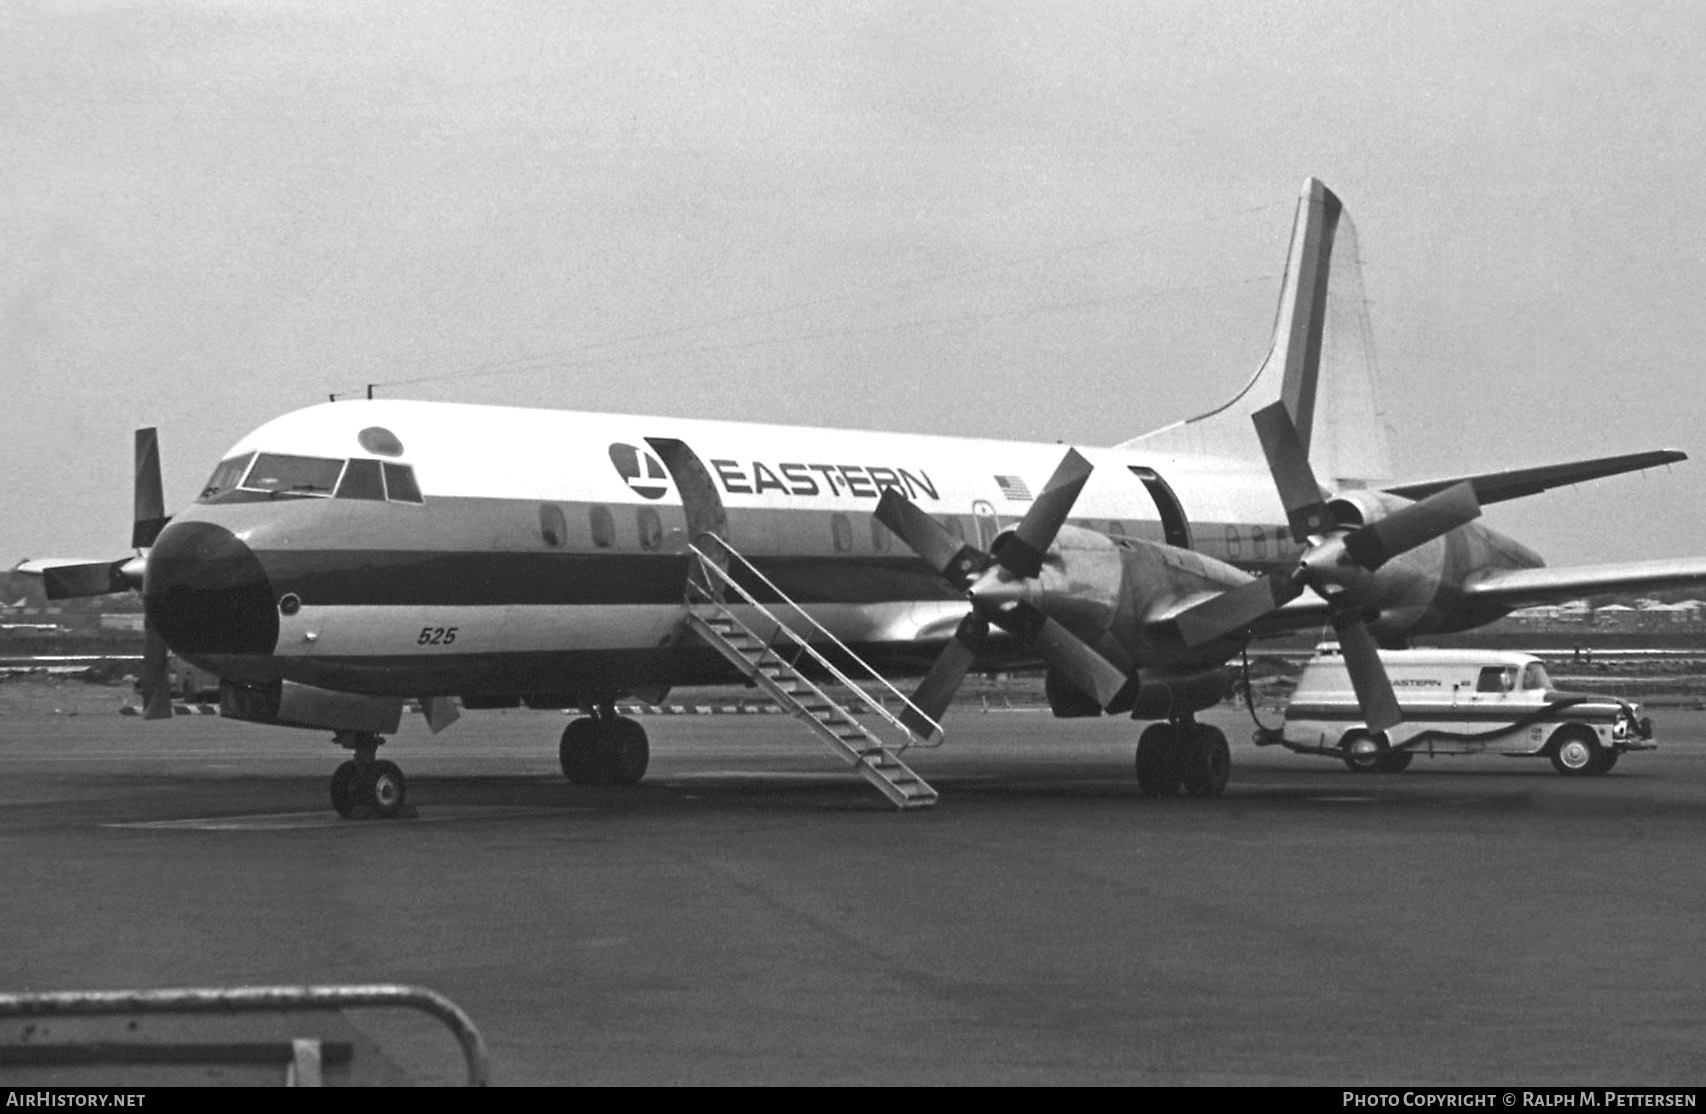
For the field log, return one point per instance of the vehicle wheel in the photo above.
(1607, 759)
(625, 752)
(1364, 753)
(1157, 764)
(1575, 751)
(1205, 761)
(381, 785)
(344, 789)
(578, 752)
(1397, 761)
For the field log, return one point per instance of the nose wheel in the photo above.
(367, 787)
(604, 749)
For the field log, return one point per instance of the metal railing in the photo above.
(258, 999)
(712, 568)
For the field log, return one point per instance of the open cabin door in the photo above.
(700, 502)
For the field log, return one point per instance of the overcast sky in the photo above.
(1033, 220)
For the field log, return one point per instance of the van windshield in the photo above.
(1534, 676)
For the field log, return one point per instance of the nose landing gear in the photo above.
(604, 749)
(366, 787)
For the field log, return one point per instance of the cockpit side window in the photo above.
(361, 481)
(400, 484)
(281, 474)
(225, 477)
(1534, 676)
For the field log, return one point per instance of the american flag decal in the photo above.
(1014, 488)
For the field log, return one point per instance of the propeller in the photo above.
(998, 586)
(1336, 563)
(100, 578)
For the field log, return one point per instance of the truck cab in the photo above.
(1460, 702)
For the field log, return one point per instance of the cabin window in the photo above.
(400, 484)
(881, 536)
(841, 533)
(603, 525)
(1234, 543)
(650, 526)
(361, 481)
(225, 477)
(553, 527)
(1259, 543)
(284, 474)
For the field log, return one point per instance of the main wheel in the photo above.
(578, 752)
(624, 752)
(1364, 753)
(381, 785)
(1575, 751)
(1205, 761)
(1157, 760)
(344, 789)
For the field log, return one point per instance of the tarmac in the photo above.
(754, 914)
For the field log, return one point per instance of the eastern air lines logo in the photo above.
(643, 471)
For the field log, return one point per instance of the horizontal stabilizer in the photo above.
(1521, 587)
(1496, 487)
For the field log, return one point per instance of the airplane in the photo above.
(348, 556)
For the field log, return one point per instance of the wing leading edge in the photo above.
(1523, 587)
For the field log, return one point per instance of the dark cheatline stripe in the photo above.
(392, 578)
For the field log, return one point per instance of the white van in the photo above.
(1459, 702)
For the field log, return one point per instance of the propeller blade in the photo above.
(1288, 462)
(156, 679)
(1368, 676)
(937, 690)
(63, 582)
(1077, 660)
(941, 550)
(150, 503)
(1236, 609)
(1021, 552)
(1403, 530)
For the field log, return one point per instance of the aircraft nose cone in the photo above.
(205, 592)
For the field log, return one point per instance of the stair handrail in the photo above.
(933, 737)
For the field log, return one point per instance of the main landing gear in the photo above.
(1183, 754)
(604, 749)
(365, 786)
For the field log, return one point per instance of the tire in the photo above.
(1204, 760)
(344, 797)
(1575, 751)
(1157, 766)
(381, 785)
(1364, 752)
(578, 752)
(1397, 761)
(1608, 759)
(625, 752)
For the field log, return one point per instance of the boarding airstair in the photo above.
(861, 728)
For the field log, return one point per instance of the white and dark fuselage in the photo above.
(425, 549)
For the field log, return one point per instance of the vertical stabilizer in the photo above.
(1321, 363)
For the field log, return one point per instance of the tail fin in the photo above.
(1321, 363)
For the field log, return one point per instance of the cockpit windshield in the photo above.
(268, 476)
(279, 474)
(225, 477)
(1534, 676)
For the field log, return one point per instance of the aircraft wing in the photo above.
(1496, 487)
(1522, 587)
